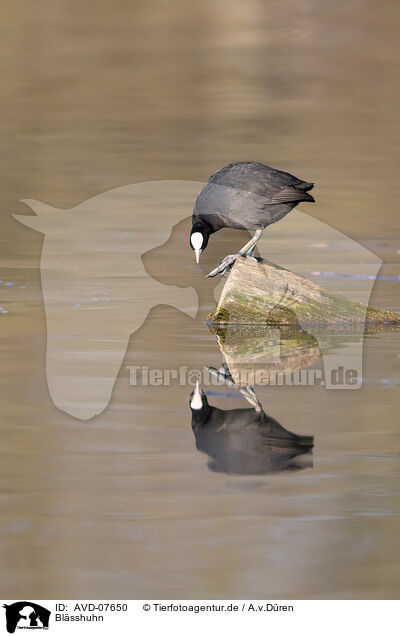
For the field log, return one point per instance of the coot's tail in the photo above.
(274, 434)
(298, 193)
(305, 185)
(286, 439)
(305, 441)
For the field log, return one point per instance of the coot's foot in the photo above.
(226, 264)
(222, 374)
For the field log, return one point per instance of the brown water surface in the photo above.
(104, 94)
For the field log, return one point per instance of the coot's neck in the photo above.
(200, 416)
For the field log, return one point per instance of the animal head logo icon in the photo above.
(95, 288)
(97, 291)
(25, 615)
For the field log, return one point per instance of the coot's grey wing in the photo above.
(274, 186)
(224, 205)
(253, 177)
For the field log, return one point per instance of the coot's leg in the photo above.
(246, 251)
(248, 392)
(223, 375)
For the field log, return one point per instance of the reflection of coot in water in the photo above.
(244, 441)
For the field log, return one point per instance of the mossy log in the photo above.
(250, 348)
(247, 349)
(257, 292)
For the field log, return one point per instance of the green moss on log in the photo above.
(262, 293)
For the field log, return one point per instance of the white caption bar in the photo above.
(200, 617)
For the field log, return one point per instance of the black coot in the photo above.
(245, 441)
(245, 196)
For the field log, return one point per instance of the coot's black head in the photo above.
(199, 237)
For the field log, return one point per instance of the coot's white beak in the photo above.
(197, 401)
(197, 252)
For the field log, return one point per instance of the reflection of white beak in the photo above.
(197, 401)
(197, 251)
